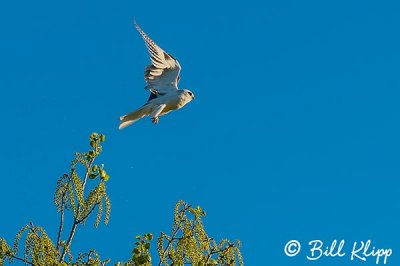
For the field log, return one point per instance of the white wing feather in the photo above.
(162, 76)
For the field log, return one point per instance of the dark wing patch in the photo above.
(152, 96)
(148, 75)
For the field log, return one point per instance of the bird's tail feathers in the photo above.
(131, 118)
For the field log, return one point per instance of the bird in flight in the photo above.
(162, 78)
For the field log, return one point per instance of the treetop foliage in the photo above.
(82, 191)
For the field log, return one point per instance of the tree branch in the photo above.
(216, 251)
(33, 229)
(61, 223)
(87, 173)
(87, 215)
(21, 259)
(88, 256)
(66, 247)
(76, 221)
(174, 232)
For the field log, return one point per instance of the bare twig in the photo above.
(87, 173)
(216, 251)
(61, 223)
(66, 247)
(88, 255)
(87, 215)
(33, 229)
(21, 259)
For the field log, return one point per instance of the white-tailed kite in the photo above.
(162, 78)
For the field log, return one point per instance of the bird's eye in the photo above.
(190, 93)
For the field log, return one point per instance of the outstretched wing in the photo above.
(162, 76)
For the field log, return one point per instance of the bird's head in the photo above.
(189, 94)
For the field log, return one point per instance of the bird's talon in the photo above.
(155, 120)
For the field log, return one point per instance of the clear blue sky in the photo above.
(294, 132)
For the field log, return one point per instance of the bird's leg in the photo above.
(156, 112)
